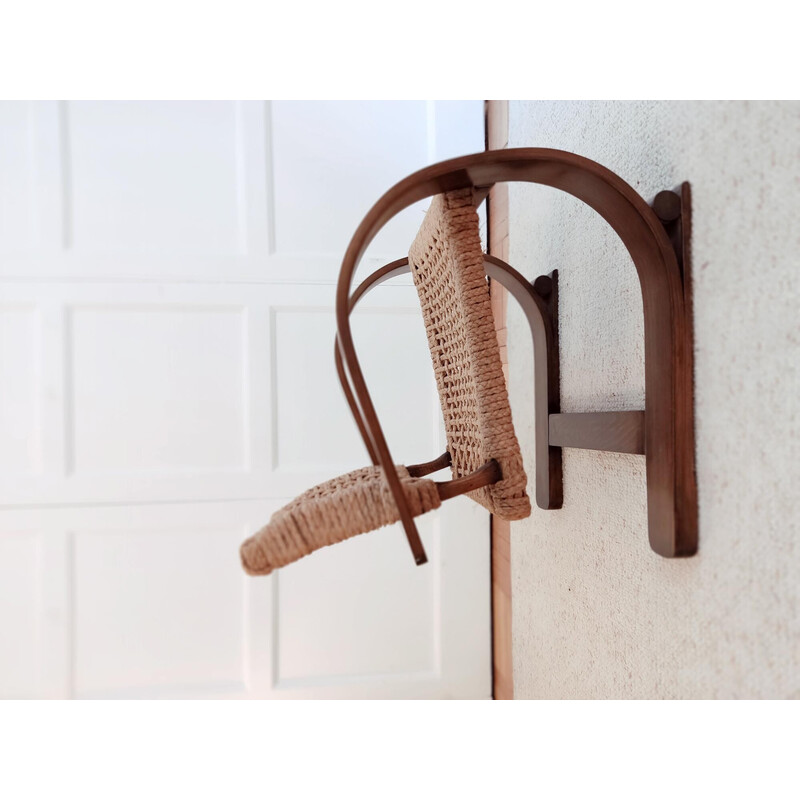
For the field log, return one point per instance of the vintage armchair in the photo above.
(450, 274)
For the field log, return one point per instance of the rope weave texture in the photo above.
(447, 265)
(338, 509)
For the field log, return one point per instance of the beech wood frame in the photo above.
(657, 241)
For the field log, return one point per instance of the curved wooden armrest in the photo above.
(421, 470)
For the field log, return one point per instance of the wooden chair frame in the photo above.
(657, 241)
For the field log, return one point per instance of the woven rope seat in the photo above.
(354, 503)
(446, 262)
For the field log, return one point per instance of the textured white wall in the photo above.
(596, 613)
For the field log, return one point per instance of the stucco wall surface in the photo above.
(597, 614)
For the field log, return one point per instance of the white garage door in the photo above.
(167, 277)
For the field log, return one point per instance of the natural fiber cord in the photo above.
(447, 265)
(338, 509)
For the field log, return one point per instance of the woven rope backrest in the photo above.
(447, 265)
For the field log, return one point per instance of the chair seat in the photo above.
(356, 502)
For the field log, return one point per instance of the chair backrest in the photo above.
(447, 265)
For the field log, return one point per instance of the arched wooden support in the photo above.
(668, 431)
(537, 302)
